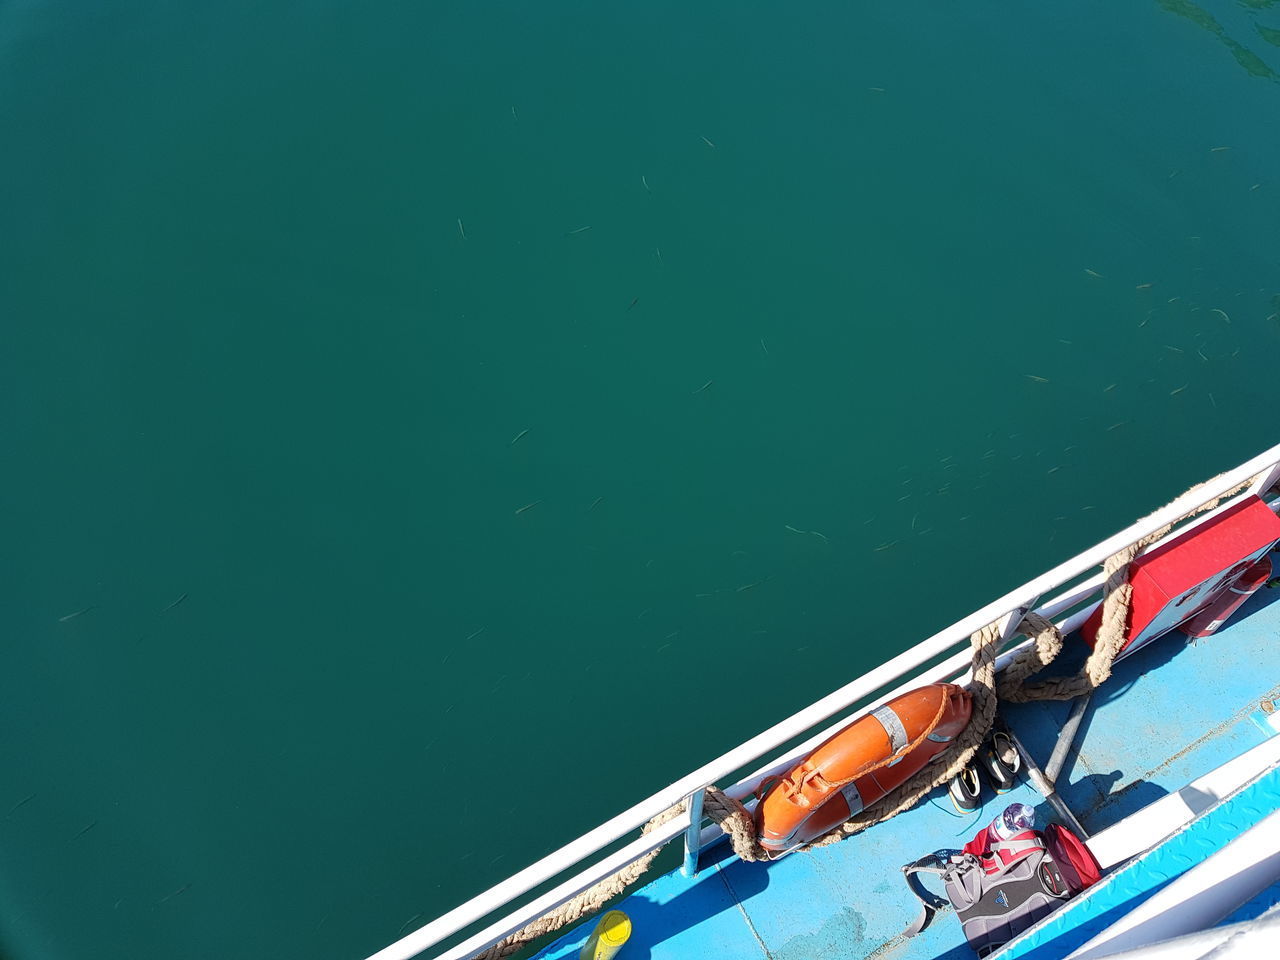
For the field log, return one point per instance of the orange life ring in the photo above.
(860, 764)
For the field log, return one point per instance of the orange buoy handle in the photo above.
(860, 764)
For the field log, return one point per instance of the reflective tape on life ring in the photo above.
(892, 724)
(853, 797)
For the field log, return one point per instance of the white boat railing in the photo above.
(909, 669)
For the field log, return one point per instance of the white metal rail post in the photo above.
(693, 836)
(905, 670)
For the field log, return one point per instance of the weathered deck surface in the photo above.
(1169, 714)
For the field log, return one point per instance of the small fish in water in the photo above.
(472, 636)
(1094, 273)
(78, 613)
(787, 526)
(576, 231)
(527, 506)
(1221, 313)
(515, 116)
(1143, 286)
(819, 536)
(1174, 393)
(516, 438)
(876, 89)
(658, 251)
(703, 387)
(708, 143)
(84, 831)
(175, 603)
(461, 229)
(417, 915)
(1032, 376)
(633, 302)
(646, 184)
(885, 546)
(1218, 149)
(1117, 426)
(21, 803)
(595, 503)
(750, 586)
(182, 889)
(1109, 388)
(764, 347)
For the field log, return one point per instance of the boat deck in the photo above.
(848, 900)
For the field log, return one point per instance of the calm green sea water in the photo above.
(283, 665)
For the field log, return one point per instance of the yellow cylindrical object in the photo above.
(613, 930)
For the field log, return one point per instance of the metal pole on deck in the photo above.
(1066, 737)
(1046, 788)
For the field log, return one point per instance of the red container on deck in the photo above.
(1182, 576)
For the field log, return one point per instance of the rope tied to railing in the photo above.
(732, 816)
(1117, 603)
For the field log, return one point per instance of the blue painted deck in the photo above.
(1170, 713)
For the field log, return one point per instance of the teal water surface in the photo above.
(430, 428)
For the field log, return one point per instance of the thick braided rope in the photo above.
(1032, 659)
(587, 902)
(734, 819)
